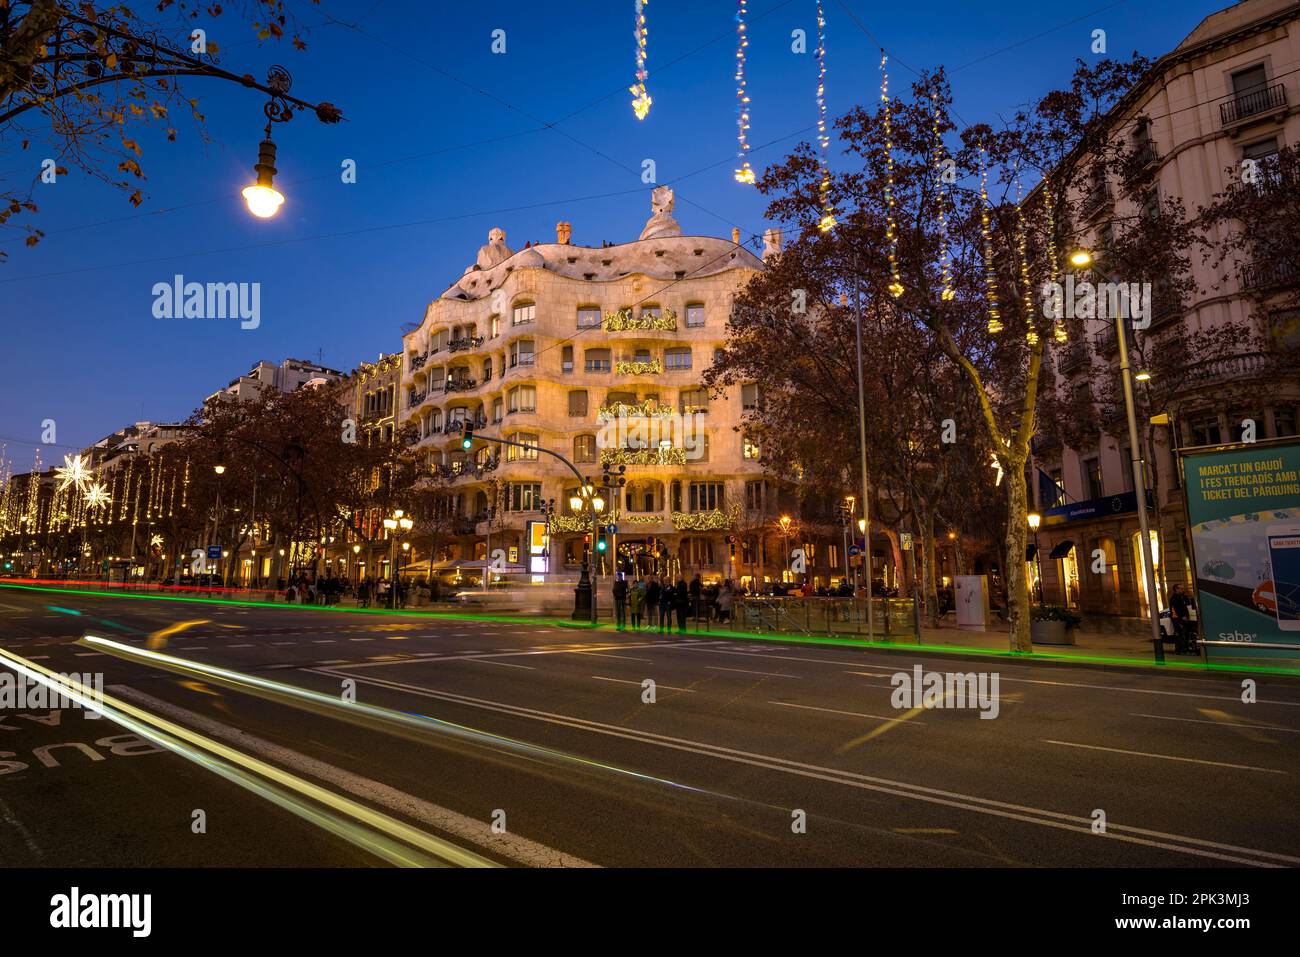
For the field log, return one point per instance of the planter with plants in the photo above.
(1053, 625)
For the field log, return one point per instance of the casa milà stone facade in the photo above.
(545, 346)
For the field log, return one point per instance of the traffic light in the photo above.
(602, 544)
(467, 437)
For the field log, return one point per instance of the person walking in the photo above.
(697, 593)
(725, 598)
(620, 601)
(681, 603)
(1180, 611)
(635, 602)
(652, 590)
(666, 600)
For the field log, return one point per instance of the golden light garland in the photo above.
(744, 174)
(891, 227)
(1053, 272)
(824, 190)
(945, 254)
(1022, 253)
(640, 98)
(990, 280)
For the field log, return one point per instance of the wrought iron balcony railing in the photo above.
(464, 343)
(1263, 99)
(1267, 274)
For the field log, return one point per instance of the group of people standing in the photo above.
(654, 601)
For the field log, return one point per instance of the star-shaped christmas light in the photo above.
(73, 472)
(97, 496)
(155, 541)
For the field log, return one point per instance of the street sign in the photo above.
(854, 551)
(612, 529)
(905, 541)
(214, 552)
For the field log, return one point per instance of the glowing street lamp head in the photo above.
(1080, 258)
(862, 525)
(219, 469)
(262, 198)
(575, 502)
(1035, 520)
(1143, 376)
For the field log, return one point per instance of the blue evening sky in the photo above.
(446, 140)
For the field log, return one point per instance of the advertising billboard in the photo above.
(1243, 510)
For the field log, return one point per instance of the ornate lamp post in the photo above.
(398, 524)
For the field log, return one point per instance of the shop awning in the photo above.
(1062, 549)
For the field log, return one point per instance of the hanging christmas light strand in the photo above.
(945, 256)
(640, 98)
(1022, 253)
(1058, 321)
(744, 174)
(990, 280)
(824, 190)
(891, 227)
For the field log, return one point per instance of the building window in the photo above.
(495, 325)
(487, 370)
(1092, 478)
(566, 359)
(497, 409)
(1246, 82)
(588, 317)
(755, 495)
(523, 497)
(706, 496)
(597, 360)
(523, 398)
(584, 449)
(578, 404)
(1205, 431)
(524, 313)
(652, 312)
(521, 353)
(750, 449)
(698, 551)
(677, 358)
(694, 315)
(516, 454)
(692, 401)
(751, 397)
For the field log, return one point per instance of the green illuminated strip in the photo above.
(746, 635)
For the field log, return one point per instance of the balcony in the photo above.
(1074, 356)
(459, 385)
(1258, 102)
(1096, 202)
(1145, 155)
(623, 321)
(654, 456)
(639, 367)
(415, 398)
(419, 361)
(1238, 369)
(1266, 274)
(464, 343)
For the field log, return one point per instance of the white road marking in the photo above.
(503, 664)
(1165, 757)
(1222, 724)
(1055, 819)
(855, 714)
(742, 671)
(601, 654)
(625, 681)
(517, 848)
(240, 646)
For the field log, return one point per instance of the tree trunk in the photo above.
(930, 570)
(1017, 540)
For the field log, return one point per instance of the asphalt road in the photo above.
(536, 744)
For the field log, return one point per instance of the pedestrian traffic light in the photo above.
(467, 437)
(602, 544)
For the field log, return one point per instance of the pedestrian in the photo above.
(725, 597)
(635, 602)
(363, 593)
(696, 592)
(1180, 611)
(620, 601)
(681, 602)
(652, 590)
(666, 601)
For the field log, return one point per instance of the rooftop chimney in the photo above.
(735, 235)
(771, 243)
(563, 230)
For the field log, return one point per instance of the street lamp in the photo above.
(785, 544)
(396, 525)
(1082, 258)
(262, 198)
(1035, 520)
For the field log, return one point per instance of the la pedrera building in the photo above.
(595, 353)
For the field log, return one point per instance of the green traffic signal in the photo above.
(467, 438)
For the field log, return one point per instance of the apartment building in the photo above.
(1229, 92)
(287, 376)
(594, 353)
(369, 393)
